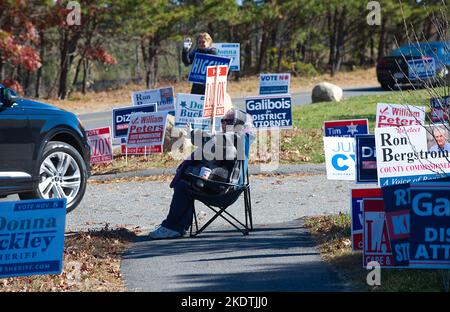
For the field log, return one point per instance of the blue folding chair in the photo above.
(218, 203)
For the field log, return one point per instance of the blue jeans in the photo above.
(181, 208)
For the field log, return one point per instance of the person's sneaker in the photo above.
(162, 232)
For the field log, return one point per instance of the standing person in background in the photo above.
(204, 45)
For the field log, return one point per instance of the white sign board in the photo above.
(146, 129)
(99, 140)
(231, 50)
(340, 158)
(163, 97)
(274, 83)
(394, 115)
(410, 154)
(189, 109)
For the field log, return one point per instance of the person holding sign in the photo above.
(213, 159)
(204, 45)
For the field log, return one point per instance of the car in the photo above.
(396, 68)
(44, 152)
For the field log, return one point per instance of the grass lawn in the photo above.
(332, 233)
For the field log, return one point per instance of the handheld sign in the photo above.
(394, 115)
(420, 69)
(201, 62)
(163, 97)
(146, 129)
(346, 128)
(121, 118)
(274, 83)
(32, 237)
(99, 140)
(216, 88)
(366, 159)
(231, 50)
(268, 112)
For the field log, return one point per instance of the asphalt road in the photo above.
(103, 119)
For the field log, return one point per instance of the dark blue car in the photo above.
(415, 64)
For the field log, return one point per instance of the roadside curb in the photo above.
(253, 170)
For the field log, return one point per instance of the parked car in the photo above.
(44, 151)
(393, 69)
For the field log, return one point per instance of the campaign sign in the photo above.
(121, 118)
(366, 159)
(397, 207)
(421, 69)
(215, 90)
(99, 140)
(189, 109)
(403, 156)
(146, 129)
(394, 115)
(346, 128)
(430, 225)
(201, 62)
(274, 83)
(32, 237)
(163, 97)
(377, 245)
(340, 158)
(440, 108)
(143, 150)
(357, 217)
(231, 50)
(273, 111)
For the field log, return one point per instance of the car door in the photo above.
(15, 144)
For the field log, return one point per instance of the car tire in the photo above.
(386, 87)
(62, 174)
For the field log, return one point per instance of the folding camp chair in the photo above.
(220, 202)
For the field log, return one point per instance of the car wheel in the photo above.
(62, 174)
(386, 87)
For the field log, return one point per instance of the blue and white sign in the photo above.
(366, 159)
(121, 118)
(163, 97)
(231, 50)
(421, 69)
(189, 109)
(270, 111)
(340, 158)
(32, 237)
(201, 62)
(430, 225)
(274, 83)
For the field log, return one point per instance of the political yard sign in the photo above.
(231, 50)
(357, 216)
(340, 158)
(101, 147)
(274, 83)
(366, 159)
(143, 150)
(189, 109)
(440, 109)
(423, 68)
(377, 245)
(163, 98)
(345, 128)
(273, 111)
(32, 237)
(121, 118)
(146, 129)
(200, 64)
(392, 115)
(430, 226)
(215, 90)
(403, 156)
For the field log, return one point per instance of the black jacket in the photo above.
(187, 57)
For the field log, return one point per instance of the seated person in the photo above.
(442, 144)
(235, 124)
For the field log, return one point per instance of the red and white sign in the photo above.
(394, 115)
(99, 140)
(146, 129)
(144, 150)
(377, 244)
(215, 90)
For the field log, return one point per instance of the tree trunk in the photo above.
(42, 55)
(263, 52)
(340, 34)
(85, 75)
(1, 70)
(382, 42)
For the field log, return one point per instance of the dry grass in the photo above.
(91, 263)
(106, 100)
